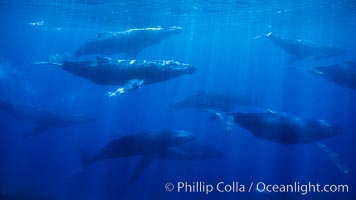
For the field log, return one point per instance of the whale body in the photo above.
(185, 152)
(130, 42)
(285, 128)
(142, 143)
(131, 74)
(343, 74)
(303, 49)
(148, 144)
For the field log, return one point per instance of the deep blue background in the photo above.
(217, 38)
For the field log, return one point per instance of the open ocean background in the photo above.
(218, 39)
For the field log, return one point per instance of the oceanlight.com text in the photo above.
(238, 187)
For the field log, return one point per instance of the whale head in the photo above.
(245, 120)
(331, 130)
(175, 29)
(188, 69)
(172, 30)
(334, 50)
(180, 68)
(334, 131)
(171, 69)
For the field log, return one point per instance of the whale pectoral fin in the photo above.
(226, 118)
(318, 72)
(314, 71)
(84, 162)
(47, 63)
(270, 111)
(141, 167)
(127, 87)
(334, 157)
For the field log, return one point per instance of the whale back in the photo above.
(130, 42)
(285, 128)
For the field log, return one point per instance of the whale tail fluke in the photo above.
(84, 162)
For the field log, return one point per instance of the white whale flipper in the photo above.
(84, 162)
(226, 118)
(129, 86)
(47, 63)
(141, 167)
(314, 71)
(334, 157)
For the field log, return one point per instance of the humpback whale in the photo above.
(343, 74)
(147, 144)
(131, 41)
(44, 119)
(207, 100)
(184, 152)
(187, 152)
(303, 49)
(285, 128)
(131, 74)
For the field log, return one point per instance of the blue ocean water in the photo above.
(220, 38)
